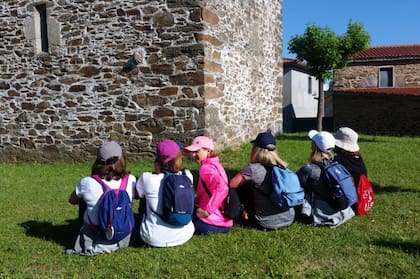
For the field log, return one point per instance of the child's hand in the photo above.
(73, 199)
(202, 213)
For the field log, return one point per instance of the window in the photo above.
(386, 77)
(41, 28)
(309, 85)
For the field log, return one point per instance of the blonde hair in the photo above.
(317, 155)
(265, 156)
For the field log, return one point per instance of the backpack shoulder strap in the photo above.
(268, 167)
(268, 177)
(166, 174)
(204, 184)
(322, 164)
(124, 181)
(205, 188)
(100, 181)
(218, 171)
(324, 173)
(104, 189)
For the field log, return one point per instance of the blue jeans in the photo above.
(204, 228)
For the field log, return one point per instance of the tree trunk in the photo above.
(320, 105)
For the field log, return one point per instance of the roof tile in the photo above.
(388, 52)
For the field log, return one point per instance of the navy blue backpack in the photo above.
(341, 184)
(177, 199)
(115, 212)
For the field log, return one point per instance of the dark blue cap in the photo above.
(264, 139)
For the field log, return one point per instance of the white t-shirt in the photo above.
(90, 191)
(153, 230)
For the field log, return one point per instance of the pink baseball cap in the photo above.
(200, 142)
(167, 148)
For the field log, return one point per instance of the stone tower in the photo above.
(76, 73)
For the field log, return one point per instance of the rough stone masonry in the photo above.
(209, 67)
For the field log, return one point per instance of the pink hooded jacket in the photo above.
(216, 180)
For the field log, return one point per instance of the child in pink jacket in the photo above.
(212, 188)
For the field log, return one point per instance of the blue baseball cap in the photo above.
(265, 139)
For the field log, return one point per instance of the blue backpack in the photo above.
(341, 184)
(286, 188)
(177, 199)
(115, 212)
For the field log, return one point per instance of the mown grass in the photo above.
(37, 224)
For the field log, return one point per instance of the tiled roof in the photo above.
(294, 62)
(400, 91)
(388, 53)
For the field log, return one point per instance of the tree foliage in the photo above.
(323, 51)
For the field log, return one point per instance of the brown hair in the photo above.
(212, 153)
(110, 170)
(341, 151)
(175, 165)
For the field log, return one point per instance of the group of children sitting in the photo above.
(211, 190)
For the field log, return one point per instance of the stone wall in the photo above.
(202, 67)
(249, 85)
(360, 103)
(366, 76)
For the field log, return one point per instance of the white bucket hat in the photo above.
(323, 140)
(346, 138)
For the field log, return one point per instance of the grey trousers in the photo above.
(89, 243)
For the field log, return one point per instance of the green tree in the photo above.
(323, 51)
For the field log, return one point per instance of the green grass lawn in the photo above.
(37, 224)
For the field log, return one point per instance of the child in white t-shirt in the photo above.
(110, 166)
(154, 230)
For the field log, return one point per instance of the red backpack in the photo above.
(365, 196)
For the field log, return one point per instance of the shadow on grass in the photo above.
(65, 235)
(409, 247)
(391, 189)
